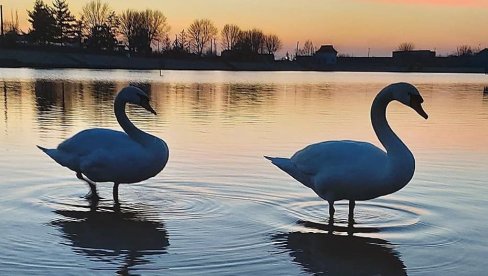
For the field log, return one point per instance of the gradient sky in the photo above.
(352, 26)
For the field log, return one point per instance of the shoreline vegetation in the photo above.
(100, 38)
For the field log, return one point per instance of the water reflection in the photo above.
(326, 253)
(5, 104)
(47, 95)
(106, 233)
(103, 92)
(144, 86)
(53, 97)
(245, 94)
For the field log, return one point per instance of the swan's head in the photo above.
(134, 95)
(408, 95)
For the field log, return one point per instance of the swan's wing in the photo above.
(88, 145)
(339, 161)
(122, 165)
(90, 140)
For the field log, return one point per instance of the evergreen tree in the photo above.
(65, 22)
(43, 23)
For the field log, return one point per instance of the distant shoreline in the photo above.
(26, 58)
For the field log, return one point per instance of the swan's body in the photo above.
(353, 170)
(105, 155)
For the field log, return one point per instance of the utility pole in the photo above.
(1, 20)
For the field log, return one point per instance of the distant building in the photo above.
(481, 59)
(234, 55)
(326, 55)
(413, 54)
(482, 55)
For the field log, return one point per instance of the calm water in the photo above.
(219, 208)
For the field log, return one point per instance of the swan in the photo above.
(105, 155)
(355, 170)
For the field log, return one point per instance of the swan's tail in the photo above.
(61, 158)
(286, 165)
(43, 149)
(51, 152)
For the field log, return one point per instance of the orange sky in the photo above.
(352, 26)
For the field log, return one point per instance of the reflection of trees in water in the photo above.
(104, 233)
(243, 102)
(103, 92)
(10, 89)
(326, 253)
(47, 95)
(196, 100)
(246, 95)
(202, 97)
(144, 86)
(53, 103)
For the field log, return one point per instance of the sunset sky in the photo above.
(352, 26)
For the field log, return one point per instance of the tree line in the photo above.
(100, 28)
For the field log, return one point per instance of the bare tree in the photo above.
(129, 23)
(406, 46)
(99, 25)
(464, 50)
(181, 44)
(156, 23)
(12, 25)
(95, 13)
(201, 32)
(229, 35)
(141, 29)
(251, 41)
(308, 48)
(272, 43)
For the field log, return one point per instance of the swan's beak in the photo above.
(416, 103)
(149, 108)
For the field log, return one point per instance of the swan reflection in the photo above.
(110, 234)
(326, 253)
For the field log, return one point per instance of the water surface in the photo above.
(219, 207)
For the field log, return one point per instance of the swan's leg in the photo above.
(93, 188)
(116, 193)
(331, 209)
(352, 204)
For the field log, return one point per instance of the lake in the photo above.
(219, 207)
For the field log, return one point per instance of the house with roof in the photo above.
(326, 55)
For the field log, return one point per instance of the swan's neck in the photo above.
(401, 163)
(129, 128)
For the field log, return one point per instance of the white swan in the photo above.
(105, 155)
(354, 170)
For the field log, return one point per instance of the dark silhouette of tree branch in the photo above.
(229, 36)
(100, 25)
(201, 32)
(464, 50)
(272, 43)
(406, 46)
